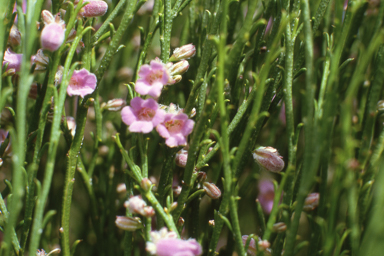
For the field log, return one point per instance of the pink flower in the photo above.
(166, 243)
(175, 129)
(53, 34)
(152, 79)
(94, 8)
(266, 195)
(143, 115)
(13, 59)
(82, 83)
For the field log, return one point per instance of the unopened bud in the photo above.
(174, 79)
(94, 8)
(180, 222)
(183, 52)
(43, 253)
(181, 158)
(12, 59)
(121, 188)
(380, 106)
(279, 227)
(71, 124)
(114, 105)
(146, 184)
(176, 190)
(263, 245)
(269, 159)
(53, 34)
(311, 202)
(59, 75)
(128, 223)
(212, 190)
(179, 68)
(14, 38)
(173, 206)
(41, 60)
(211, 223)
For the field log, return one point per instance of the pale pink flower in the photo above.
(143, 115)
(266, 195)
(175, 129)
(82, 83)
(13, 59)
(94, 8)
(164, 243)
(152, 79)
(53, 34)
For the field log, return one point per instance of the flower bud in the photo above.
(40, 60)
(114, 105)
(59, 75)
(279, 227)
(121, 188)
(311, 202)
(53, 34)
(212, 190)
(183, 52)
(380, 106)
(179, 68)
(43, 253)
(128, 223)
(94, 8)
(12, 59)
(176, 190)
(269, 159)
(71, 124)
(181, 158)
(174, 79)
(14, 38)
(146, 184)
(211, 223)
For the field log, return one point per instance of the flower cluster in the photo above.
(143, 115)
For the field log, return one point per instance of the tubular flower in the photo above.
(152, 79)
(175, 129)
(13, 59)
(82, 83)
(53, 34)
(143, 115)
(164, 243)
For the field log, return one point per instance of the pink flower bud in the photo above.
(121, 188)
(114, 105)
(128, 223)
(14, 38)
(174, 79)
(12, 59)
(71, 124)
(184, 52)
(94, 8)
(179, 68)
(176, 190)
(53, 34)
(212, 190)
(59, 75)
(181, 158)
(311, 202)
(269, 159)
